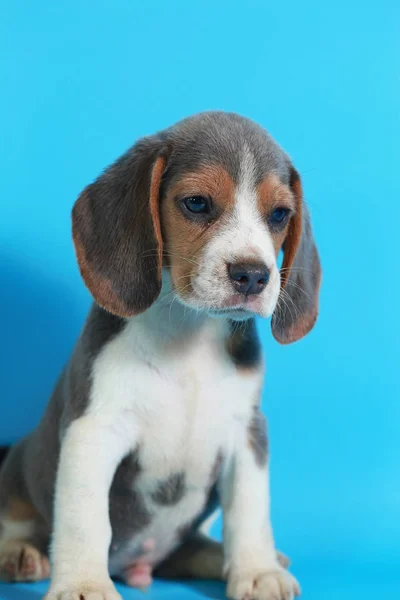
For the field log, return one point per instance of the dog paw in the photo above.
(83, 591)
(276, 584)
(22, 562)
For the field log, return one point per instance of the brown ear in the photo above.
(117, 234)
(297, 309)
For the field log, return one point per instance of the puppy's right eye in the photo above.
(197, 205)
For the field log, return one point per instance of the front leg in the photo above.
(251, 564)
(91, 450)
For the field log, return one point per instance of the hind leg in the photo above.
(199, 557)
(23, 545)
(23, 533)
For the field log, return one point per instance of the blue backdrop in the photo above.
(80, 81)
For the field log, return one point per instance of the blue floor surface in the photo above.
(319, 582)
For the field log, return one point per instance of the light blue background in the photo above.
(80, 81)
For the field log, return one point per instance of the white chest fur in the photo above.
(176, 398)
(181, 402)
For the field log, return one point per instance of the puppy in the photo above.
(156, 419)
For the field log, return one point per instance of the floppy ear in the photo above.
(297, 310)
(117, 234)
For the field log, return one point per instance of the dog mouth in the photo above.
(234, 308)
(241, 303)
(237, 314)
(230, 310)
(238, 307)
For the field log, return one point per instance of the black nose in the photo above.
(248, 278)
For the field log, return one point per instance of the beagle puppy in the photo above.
(155, 421)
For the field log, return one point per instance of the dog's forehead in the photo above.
(235, 143)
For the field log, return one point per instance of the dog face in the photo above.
(213, 199)
(222, 235)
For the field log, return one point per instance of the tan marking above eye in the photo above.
(210, 180)
(272, 193)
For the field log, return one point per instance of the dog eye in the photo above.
(197, 204)
(279, 216)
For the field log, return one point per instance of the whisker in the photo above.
(297, 286)
(151, 253)
(285, 297)
(295, 307)
(285, 269)
(175, 292)
(286, 308)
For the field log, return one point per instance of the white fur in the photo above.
(91, 450)
(249, 550)
(243, 237)
(186, 393)
(182, 402)
(188, 404)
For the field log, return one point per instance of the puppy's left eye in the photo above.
(197, 204)
(279, 216)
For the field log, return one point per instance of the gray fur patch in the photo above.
(215, 471)
(211, 504)
(257, 436)
(171, 490)
(100, 328)
(220, 138)
(243, 344)
(38, 459)
(198, 557)
(128, 511)
(14, 485)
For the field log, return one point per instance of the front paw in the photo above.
(85, 590)
(274, 584)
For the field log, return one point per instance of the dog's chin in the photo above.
(234, 308)
(238, 314)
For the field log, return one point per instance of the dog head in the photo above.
(213, 199)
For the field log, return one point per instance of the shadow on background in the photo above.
(41, 318)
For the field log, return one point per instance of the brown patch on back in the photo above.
(184, 240)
